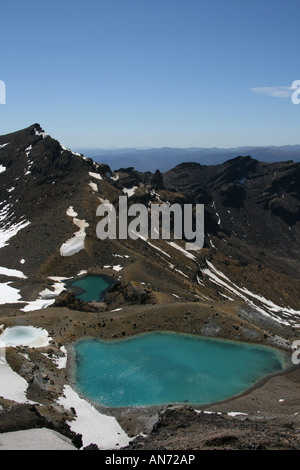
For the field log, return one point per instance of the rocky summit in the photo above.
(243, 284)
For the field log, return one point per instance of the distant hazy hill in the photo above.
(166, 158)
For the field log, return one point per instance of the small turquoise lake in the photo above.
(166, 368)
(91, 287)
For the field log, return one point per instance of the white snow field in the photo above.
(95, 428)
(35, 439)
(76, 243)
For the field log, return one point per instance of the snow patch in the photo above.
(59, 361)
(219, 220)
(93, 186)
(82, 272)
(9, 295)
(41, 133)
(71, 212)
(46, 296)
(76, 243)
(115, 268)
(28, 150)
(182, 274)
(95, 175)
(130, 191)
(138, 235)
(7, 233)
(12, 385)
(2, 168)
(12, 272)
(103, 201)
(185, 252)
(95, 428)
(69, 150)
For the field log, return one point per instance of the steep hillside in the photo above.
(49, 197)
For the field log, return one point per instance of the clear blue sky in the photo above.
(152, 73)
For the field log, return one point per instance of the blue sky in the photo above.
(152, 73)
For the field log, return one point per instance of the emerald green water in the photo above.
(164, 368)
(91, 287)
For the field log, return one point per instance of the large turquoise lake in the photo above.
(165, 368)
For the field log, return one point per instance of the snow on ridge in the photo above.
(3, 145)
(185, 252)
(95, 175)
(138, 235)
(154, 193)
(27, 150)
(130, 191)
(41, 133)
(269, 308)
(4, 211)
(213, 205)
(69, 150)
(76, 243)
(7, 233)
(180, 272)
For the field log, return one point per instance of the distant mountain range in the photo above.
(166, 158)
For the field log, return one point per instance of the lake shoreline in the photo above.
(67, 326)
